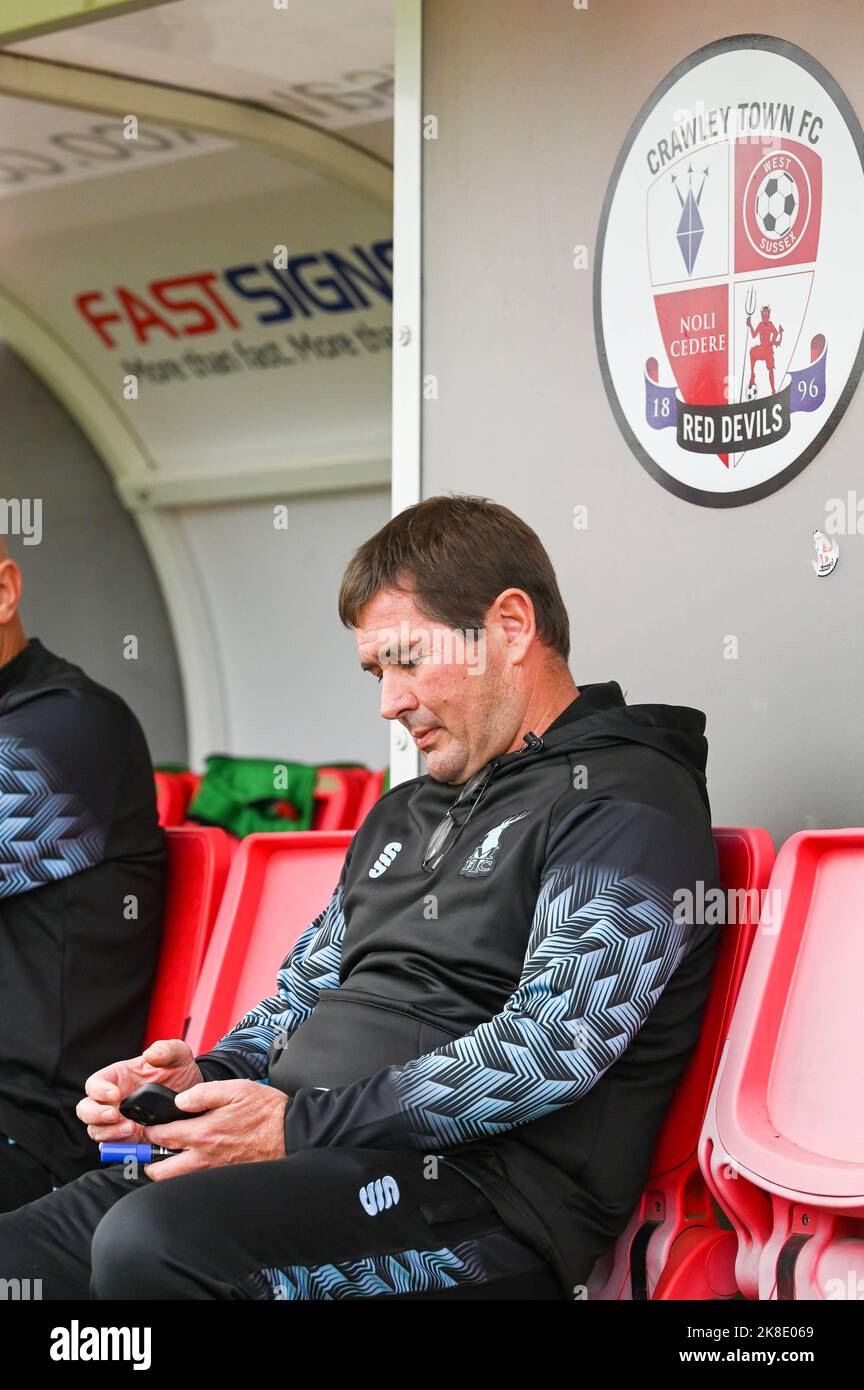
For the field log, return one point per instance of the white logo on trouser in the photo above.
(379, 1195)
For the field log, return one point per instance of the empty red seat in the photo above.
(338, 793)
(373, 789)
(675, 1246)
(782, 1147)
(174, 791)
(278, 884)
(191, 781)
(198, 861)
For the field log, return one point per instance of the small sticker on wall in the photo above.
(827, 554)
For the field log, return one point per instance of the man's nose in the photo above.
(396, 694)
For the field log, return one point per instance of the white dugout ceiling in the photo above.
(197, 258)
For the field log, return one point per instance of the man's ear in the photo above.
(514, 612)
(10, 590)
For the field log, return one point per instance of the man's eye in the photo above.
(400, 663)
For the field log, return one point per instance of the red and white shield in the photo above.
(732, 321)
(728, 279)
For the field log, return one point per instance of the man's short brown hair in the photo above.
(455, 555)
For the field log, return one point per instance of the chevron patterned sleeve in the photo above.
(46, 830)
(311, 966)
(603, 943)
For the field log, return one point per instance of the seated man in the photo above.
(81, 884)
(471, 1049)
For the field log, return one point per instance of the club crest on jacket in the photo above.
(482, 859)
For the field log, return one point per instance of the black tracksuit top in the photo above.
(527, 1009)
(82, 867)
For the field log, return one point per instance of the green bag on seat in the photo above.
(245, 795)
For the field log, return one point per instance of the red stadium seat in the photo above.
(371, 792)
(782, 1146)
(191, 781)
(675, 1246)
(172, 797)
(338, 793)
(198, 861)
(278, 884)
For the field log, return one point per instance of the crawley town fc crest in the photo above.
(729, 279)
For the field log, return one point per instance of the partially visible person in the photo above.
(82, 866)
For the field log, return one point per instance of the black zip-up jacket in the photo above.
(527, 1008)
(82, 866)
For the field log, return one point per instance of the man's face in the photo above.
(765, 312)
(449, 686)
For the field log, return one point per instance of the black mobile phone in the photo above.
(153, 1105)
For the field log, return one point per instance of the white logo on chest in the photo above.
(385, 859)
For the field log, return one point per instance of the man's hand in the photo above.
(244, 1123)
(171, 1063)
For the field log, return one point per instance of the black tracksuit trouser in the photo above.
(325, 1223)
(23, 1177)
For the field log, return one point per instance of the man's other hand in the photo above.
(170, 1063)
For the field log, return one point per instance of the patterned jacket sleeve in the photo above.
(56, 801)
(604, 941)
(310, 967)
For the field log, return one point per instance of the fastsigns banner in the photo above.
(729, 281)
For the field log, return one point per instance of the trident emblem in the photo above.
(749, 310)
